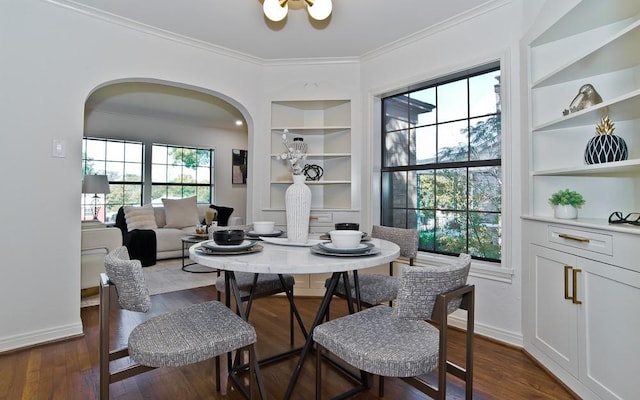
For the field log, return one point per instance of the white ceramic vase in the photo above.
(297, 201)
(565, 212)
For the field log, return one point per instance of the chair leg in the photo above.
(381, 386)
(318, 370)
(218, 374)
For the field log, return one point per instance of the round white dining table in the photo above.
(289, 259)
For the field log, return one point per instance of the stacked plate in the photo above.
(210, 247)
(328, 249)
(254, 234)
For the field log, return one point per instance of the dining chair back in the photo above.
(377, 288)
(399, 341)
(184, 336)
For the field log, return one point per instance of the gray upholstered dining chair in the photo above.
(398, 341)
(184, 336)
(377, 288)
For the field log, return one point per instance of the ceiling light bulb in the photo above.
(274, 10)
(319, 9)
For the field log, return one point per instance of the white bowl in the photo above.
(345, 239)
(263, 227)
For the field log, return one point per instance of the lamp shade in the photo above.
(95, 184)
(320, 9)
(274, 11)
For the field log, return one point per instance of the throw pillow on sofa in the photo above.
(181, 213)
(223, 214)
(139, 217)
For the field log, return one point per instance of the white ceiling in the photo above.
(355, 29)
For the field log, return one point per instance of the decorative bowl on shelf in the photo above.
(228, 237)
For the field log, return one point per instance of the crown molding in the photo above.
(437, 28)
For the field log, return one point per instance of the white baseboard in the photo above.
(40, 337)
(511, 338)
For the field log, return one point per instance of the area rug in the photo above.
(166, 276)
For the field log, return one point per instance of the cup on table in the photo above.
(345, 239)
(263, 227)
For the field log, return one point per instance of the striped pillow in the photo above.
(140, 217)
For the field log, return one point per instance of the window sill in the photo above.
(479, 269)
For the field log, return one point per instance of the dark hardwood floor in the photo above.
(68, 370)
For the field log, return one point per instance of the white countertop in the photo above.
(281, 259)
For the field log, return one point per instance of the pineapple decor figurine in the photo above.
(605, 146)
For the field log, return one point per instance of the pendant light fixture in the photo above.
(276, 10)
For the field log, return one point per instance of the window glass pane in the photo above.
(423, 104)
(115, 151)
(158, 192)
(96, 149)
(399, 189)
(396, 113)
(159, 154)
(115, 170)
(451, 232)
(132, 194)
(425, 145)
(453, 142)
(485, 138)
(426, 228)
(412, 189)
(203, 174)
(452, 101)
(482, 93)
(174, 173)
(204, 194)
(451, 189)
(484, 235)
(426, 189)
(203, 158)
(399, 218)
(485, 188)
(396, 147)
(133, 152)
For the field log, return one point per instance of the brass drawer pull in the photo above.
(566, 282)
(576, 238)
(575, 287)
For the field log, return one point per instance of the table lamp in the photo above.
(96, 184)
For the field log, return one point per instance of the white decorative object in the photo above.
(565, 212)
(298, 208)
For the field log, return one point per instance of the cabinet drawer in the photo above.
(586, 240)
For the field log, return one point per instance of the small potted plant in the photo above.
(566, 203)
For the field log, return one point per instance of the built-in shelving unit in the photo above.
(325, 126)
(573, 268)
(596, 43)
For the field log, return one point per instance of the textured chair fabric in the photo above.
(376, 341)
(421, 285)
(267, 284)
(184, 336)
(189, 335)
(127, 275)
(377, 288)
(396, 341)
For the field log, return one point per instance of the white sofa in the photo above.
(168, 243)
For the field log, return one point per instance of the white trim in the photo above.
(39, 337)
(500, 335)
(479, 269)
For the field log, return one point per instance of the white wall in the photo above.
(153, 130)
(53, 58)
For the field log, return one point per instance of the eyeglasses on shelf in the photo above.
(616, 217)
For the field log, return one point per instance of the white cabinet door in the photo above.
(554, 317)
(609, 322)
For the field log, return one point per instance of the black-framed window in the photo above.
(441, 163)
(179, 171)
(122, 162)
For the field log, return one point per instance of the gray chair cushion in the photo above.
(374, 288)
(267, 283)
(376, 341)
(189, 335)
(128, 278)
(419, 287)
